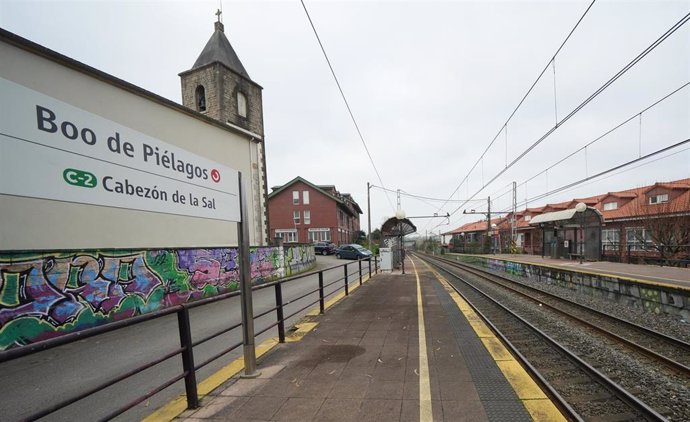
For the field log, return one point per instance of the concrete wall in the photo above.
(650, 297)
(30, 223)
(47, 294)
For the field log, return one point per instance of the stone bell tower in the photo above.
(219, 86)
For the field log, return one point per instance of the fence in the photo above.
(645, 253)
(190, 366)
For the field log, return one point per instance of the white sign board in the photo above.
(52, 150)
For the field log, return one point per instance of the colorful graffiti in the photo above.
(43, 295)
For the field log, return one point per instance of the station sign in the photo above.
(52, 150)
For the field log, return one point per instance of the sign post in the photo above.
(246, 287)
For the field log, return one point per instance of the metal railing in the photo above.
(186, 349)
(646, 253)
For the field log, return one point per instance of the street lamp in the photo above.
(580, 208)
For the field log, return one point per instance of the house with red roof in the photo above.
(645, 224)
(302, 212)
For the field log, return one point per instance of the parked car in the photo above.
(352, 251)
(324, 248)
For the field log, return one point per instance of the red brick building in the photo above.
(302, 212)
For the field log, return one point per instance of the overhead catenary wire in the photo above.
(402, 192)
(347, 104)
(596, 93)
(640, 161)
(613, 169)
(524, 97)
(608, 132)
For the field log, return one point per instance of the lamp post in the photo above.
(580, 208)
(400, 215)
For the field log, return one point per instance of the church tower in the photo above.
(219, 86)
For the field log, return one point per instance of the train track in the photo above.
(661, 348)
(563, 370)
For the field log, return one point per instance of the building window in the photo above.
(658, 199)
(241, 104)
(528, 217)
(305, 197)
(295, 216)
(295, 197)
(307, 217)
(608, 206)
(289, 236)
(637, 238)
(610, 237)
(320, 235)
(200, 98)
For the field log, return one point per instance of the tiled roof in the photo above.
(632, 203)
(476, 226)
(638, 203)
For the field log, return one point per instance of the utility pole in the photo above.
(487, 242)
(513, 222)
(488, 222)
(369, 213)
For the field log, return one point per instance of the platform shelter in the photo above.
(393, 232)
(573, 233)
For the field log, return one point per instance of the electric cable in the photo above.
(402, 192)
(608, 132)
(610, 170)
(596, 93)
(524, 97)
(347, 104)
(598, 178)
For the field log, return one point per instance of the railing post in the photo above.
(279, 313)
(321, 304)
(187, 358)
(359, 261)
(347, 288)
(376, 264)
(369, 267)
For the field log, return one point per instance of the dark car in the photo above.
(324, 248)
(353, 251)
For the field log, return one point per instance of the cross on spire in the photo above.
(218, 13)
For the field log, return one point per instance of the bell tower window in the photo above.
(200, 97)
(241, 104)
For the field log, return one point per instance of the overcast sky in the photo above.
(430, 85)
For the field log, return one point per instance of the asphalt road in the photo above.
(48, 377)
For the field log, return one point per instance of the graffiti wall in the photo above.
(43, 295)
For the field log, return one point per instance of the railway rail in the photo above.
(664, 349)
(565, 358)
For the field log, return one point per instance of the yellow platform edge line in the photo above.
(588, 272)
(538, 405)
(175, 407)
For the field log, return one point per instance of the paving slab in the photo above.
(362, 363)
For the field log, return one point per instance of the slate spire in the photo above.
(218, 49)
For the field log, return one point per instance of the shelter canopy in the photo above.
(395, 227)
(567, 217)
(554, 216)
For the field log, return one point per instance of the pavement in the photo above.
(403, 347)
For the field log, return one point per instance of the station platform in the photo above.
(677, 277)
(402, 347)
